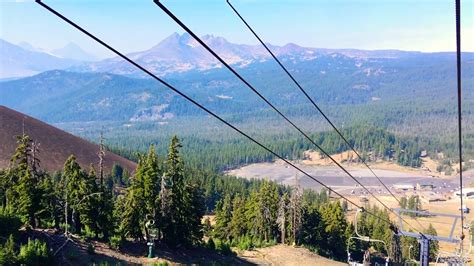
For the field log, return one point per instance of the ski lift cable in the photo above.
(64, 18)
(311, 100)
(458, 75)
(315, 105)
(203, 44)
(190, 32)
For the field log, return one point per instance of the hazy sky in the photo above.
(133, 25)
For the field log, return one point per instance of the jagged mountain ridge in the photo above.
(181, 53)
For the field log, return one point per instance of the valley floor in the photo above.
(392, 175)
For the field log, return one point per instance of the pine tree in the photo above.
(414, 203)
(51, 201)
(88, 206)
(335, 227)
(352, 246)
(179, 226)
(105, 204)
(313, 228)
(268, 203)
(134, 213)
(118, 224)
(403, 202)
(413, 252)
(223, 218)
(238, 225)
(72, 184)
(194, 211)
(29, 197)
(25, 195)
(142, 202)
(151, 175)
(252, 214)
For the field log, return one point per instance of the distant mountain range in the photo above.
(55, 145)
(181, 53)
(73, 51)
(114, 90)
(25, 60)
(331, 80)
(19, 62)
(175, 54)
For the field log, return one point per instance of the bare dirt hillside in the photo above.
(286, 255)
(56, 145)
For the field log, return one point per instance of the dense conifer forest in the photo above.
(222, 150)
(165, 200)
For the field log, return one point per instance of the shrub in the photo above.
(87, 233)
(245, 243)
(10, 224)
(116, 242)
(7, 252)
(223, 248)
(34, 252)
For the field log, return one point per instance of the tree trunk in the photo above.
(283, 231)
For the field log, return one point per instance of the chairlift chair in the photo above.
(365, 239)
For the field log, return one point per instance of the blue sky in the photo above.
(133, 25)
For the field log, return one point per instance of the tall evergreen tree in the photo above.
(52, 208)
(29, 197)
(151, 176)
(179, 227)
(72, 182)
(238, 225)
(335, 227)
(23, 191)
(313, 228)
(134, 212)
(88, 206)
(268, 205)
(223, 218)
(194, 211)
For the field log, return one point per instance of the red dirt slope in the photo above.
(56, 145)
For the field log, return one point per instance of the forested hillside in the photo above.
(410, 95)
(164, 202)
(421, 84)
(216, 148)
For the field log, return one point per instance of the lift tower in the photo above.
(425, 239)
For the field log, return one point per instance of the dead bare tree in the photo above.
(282, 213)
(35, 162)
(296, 209)
(101, 159)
